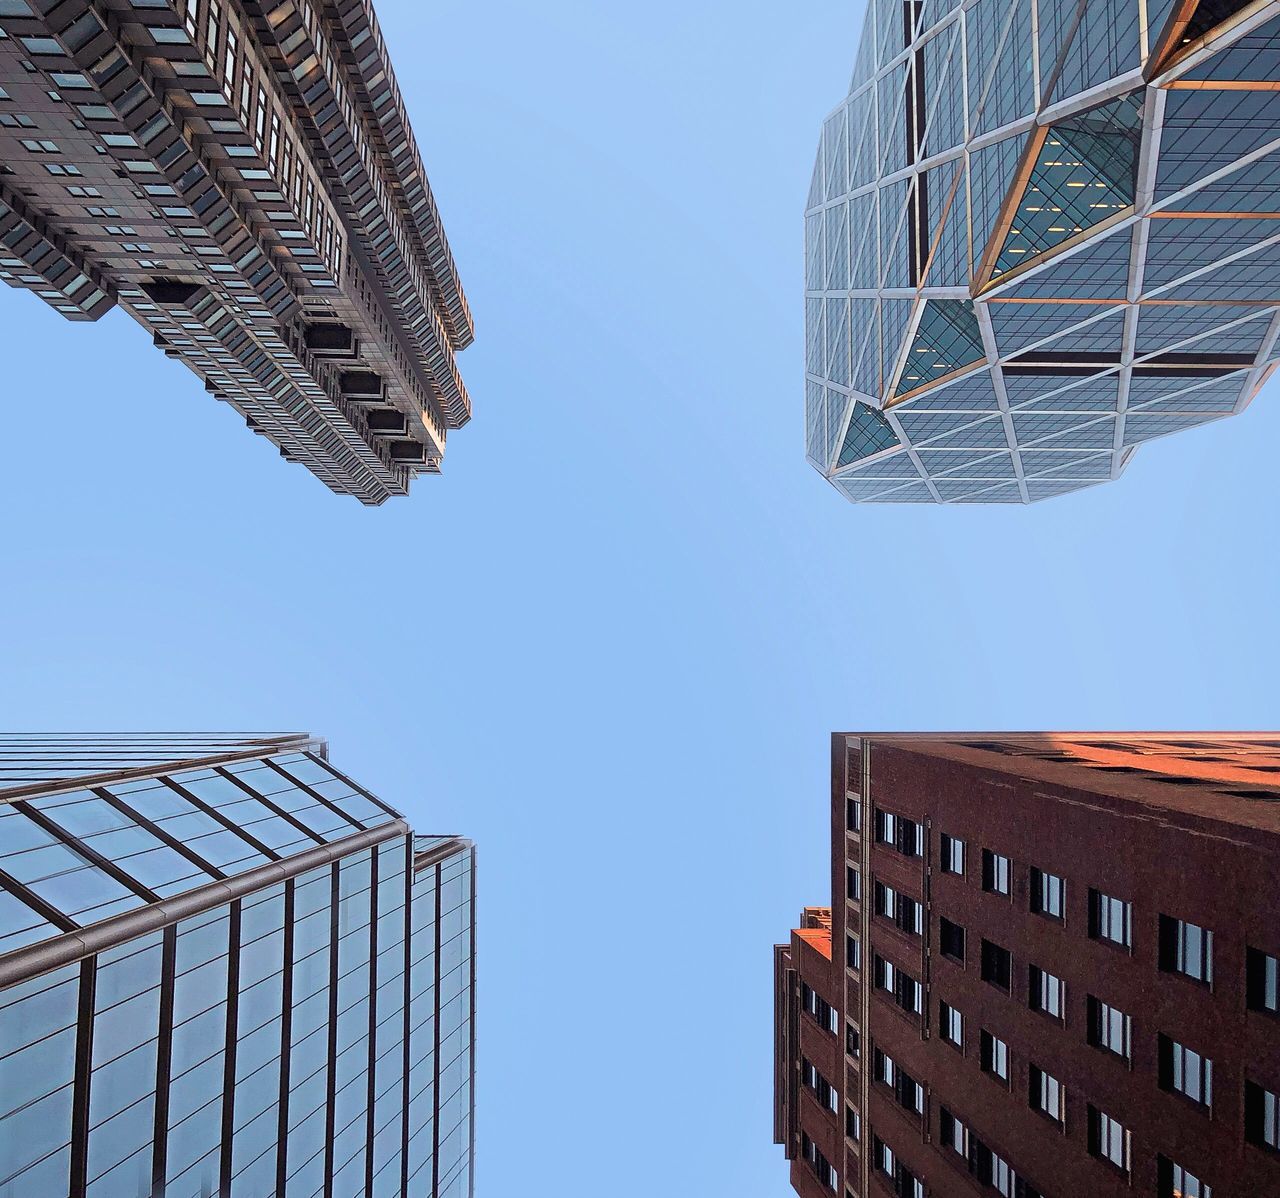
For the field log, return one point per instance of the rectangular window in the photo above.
(994, 1055)
(1108, 1139)
(814, 1080)
(1261, 1116)
(991, 1170)
(853, 884)
(952, 855)
(852, 813)
(1110, 919)
(951, 936)
(1045, 992)
(1186, 948)
(904, 834)
(1109, 1028)
(1185, 1071)
(819, 1163)
(852, 1041)
(1261, 981)
(906, 991)
(910, 916)
(997, 965)
(995, 872)
(819, 1008)
(1048, 894)
(853, 952)
(852, 1124)
(954, 1133)
(1046, 1094)
(1176, 1182)
(951, 1023)
(886, 900)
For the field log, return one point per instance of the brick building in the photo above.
(1049, 968)
(240, 176)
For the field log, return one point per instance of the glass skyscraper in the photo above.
(1038, 236)
(227, 969)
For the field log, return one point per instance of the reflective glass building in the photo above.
(241, 178)
(1037, 236)
(226, 969)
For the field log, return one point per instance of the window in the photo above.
(992, 1170)
(1186, 948)
(852, 1040)
(1048, 893)
(994, 1055)
(884, 1158)
(853, 884)
(1261, 981)
(853, 951)
(952, 855)
(951, 936)
(1046, 1095)
(908, 1092)
(952, 1024)
(901, 908)
(886, 900)
(995, 872)
(1045, 992)
(819, 1008)
(906, 991)
(904, 834)
(954, 1133)
(1261, 1116)
(1108, 1139)
(819, 1163)
(852, 814)
(1110, 919)
(1176, 1182)
(819, 1085)
(852, 1124)
(997, 965)
(1109, 1028)
(1185, 1071)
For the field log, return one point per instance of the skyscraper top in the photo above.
(241, 177)
(1037, 238)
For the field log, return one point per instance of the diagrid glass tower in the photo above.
(1038, 236)
(226, 969)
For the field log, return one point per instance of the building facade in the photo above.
(227, 969)
(1049, 967)
(1038, 236)
(241, 178)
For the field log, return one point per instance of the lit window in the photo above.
(1186, 948)
(1110, 919)
(1108, 1139)
(1045, 992)
(952, 855)
(1185, 1071)
(995, 872)
(1048, 894)
(952, 1024)
(1177, 1182)
(1109, 1028)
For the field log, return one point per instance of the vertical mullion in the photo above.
(83, 1072)
(435, 1055)
(471, 1015)
(408, 1017)
(286, 1036)
(371, 1087)
(164, 1056)
(334, 899)
(229, 1057)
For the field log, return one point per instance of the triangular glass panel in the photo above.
(1086, 171)
(947, 339)
(869, 432)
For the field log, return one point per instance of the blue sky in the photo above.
(612, 640)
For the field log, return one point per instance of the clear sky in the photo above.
(612, 640)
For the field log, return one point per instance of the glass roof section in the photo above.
(869, 432)
(946, 340)
(1086, 172)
